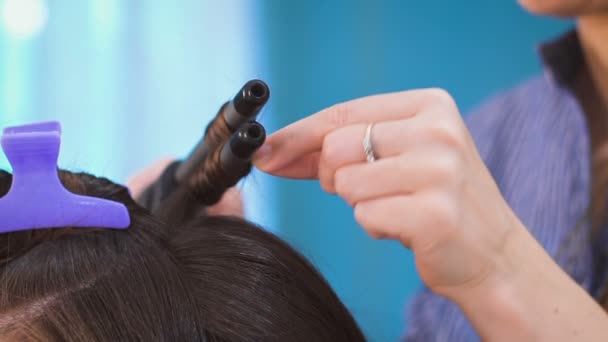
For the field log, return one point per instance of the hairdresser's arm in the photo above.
(431, 191)
(530, 298)
(230, 204)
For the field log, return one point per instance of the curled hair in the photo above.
(209, 182)
(209, 279)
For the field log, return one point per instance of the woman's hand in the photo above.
(428, 187)
(430, 190)
(231, 203)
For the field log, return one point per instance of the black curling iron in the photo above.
(236, 154)
(241, 110)
(244, 107)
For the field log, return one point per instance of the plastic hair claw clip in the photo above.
(37, 199)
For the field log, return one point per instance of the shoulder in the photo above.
(533, 139)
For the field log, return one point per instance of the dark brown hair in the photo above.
(211, 279)
(208, 185)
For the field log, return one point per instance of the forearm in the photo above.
(534, 301)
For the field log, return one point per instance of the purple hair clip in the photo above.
(37, 199)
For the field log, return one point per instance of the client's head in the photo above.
(213, 279)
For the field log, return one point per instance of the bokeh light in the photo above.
(23, 19)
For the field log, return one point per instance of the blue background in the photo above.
(133, 81)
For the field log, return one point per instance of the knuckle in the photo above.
(331, 149)
(441, 97)
(326, 180)
(312, 167)
(365, 217)
(448, 166)
(447, 133)
(362, 215)
(443, 213)
(340, 114)
(326, 186)
(341, 183)
(377, 235)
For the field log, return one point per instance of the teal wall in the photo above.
(322, 52)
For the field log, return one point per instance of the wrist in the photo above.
(501, 301)
(530, 298)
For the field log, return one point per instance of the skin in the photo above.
(565, 8)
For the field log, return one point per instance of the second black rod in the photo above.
(244, 107)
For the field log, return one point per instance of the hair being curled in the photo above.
(206, 186)
(211, 279)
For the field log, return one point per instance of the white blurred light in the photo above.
(23, 19)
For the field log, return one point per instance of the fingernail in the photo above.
(263, 154)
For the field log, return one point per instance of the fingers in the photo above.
(387, 218)
(425, 136)
(404, 174)
(306, 167)
(345, 146)
(307, 135)
(406, 218)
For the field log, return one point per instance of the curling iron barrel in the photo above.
(236, 155)
(239, 115)
(244, 107)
